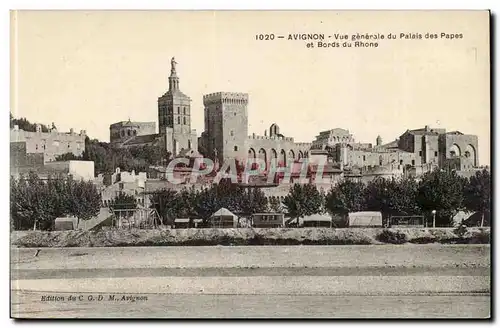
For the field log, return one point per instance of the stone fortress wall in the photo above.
(51, 144)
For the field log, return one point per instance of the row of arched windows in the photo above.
(128, 133)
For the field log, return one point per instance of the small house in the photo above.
(317, 221)
(186, 223)
(365, 219)
(268, 220)
(65, 223)
(182, 223)
(224, 218)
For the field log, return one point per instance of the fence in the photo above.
(142, 218)
(408, 221)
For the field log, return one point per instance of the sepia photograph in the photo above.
(175, 164)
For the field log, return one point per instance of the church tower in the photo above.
(174, 116)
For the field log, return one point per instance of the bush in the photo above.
(392, 237)
(461, 230)
(480, 237)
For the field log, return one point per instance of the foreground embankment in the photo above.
(248, 236)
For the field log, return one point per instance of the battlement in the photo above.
(303, 144)
(256, 137)
(225, 97)
(38, 133)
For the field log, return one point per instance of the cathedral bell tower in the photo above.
(174, 115)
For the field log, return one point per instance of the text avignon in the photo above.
(304, 36)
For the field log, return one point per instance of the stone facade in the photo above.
(174, 119)
(330, 138)
(51, 144)
(128, 183)
(226, 125)
(226, 137)
(226, 133)
(80, 170)
(456, 144)
(425, 148)
(122, 131)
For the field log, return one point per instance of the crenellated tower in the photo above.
(226, 124)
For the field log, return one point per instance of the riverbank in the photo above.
(247, 236)
(252, 257)
(408, 280)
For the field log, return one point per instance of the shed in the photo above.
(317, 221)
(224, 218)
(365, 219)
(268, 220)
(65, 223)
(182, 223)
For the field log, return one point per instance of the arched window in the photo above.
(178, 120)
(184, 110)
(178, 110)
(128, 133)
(184, 120)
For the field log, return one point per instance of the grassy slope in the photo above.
(246, 236)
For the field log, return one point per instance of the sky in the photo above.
(88, 69)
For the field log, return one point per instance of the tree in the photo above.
(186, 200)
(228, 195)
(107, 158)
(347, 196)
(441, 191)
(477, 193)
(166, 203)
(392, 196)
(36, 203)
(124, 201)
(68, 157)
(303, 200)
(275, 205)
(25, 125)
(253, 201)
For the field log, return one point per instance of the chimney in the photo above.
(427, 128)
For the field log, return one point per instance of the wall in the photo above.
(79, 169)
(174, 111)
(382, 172)
(22, 163)
(363, 158)
(51, 144)
(459, 164)
(464, 143)
(129, 177)
(332, 137)
(121, 131)
(19, 158)
(275, 145)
